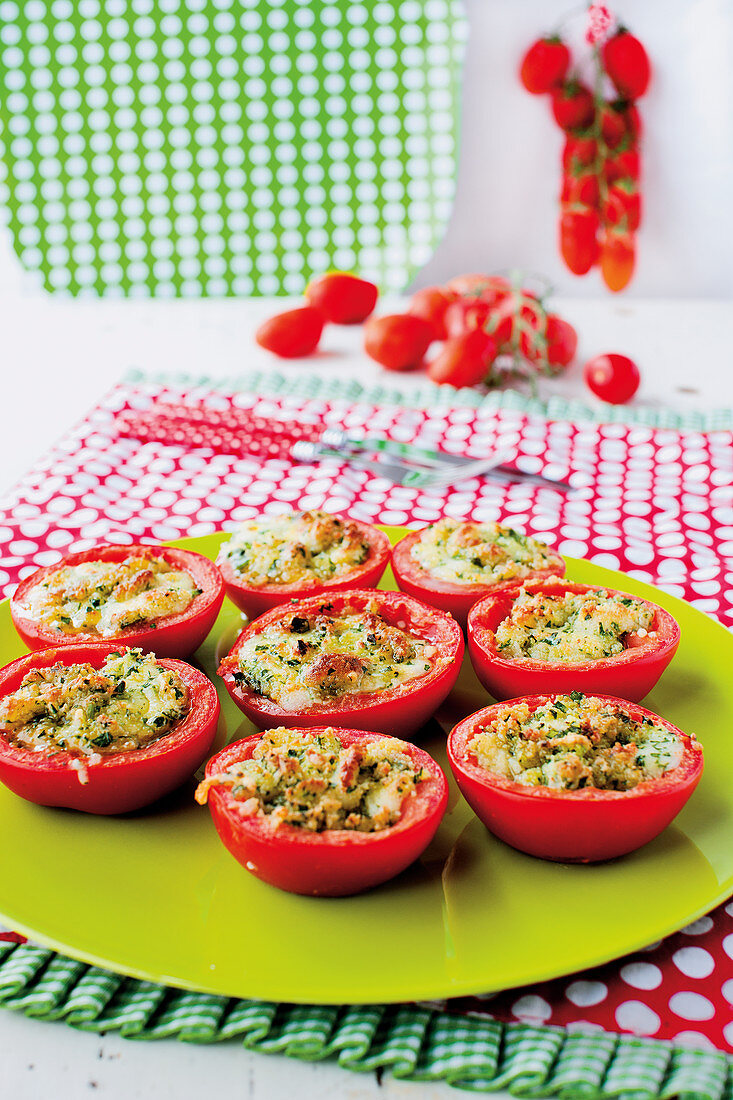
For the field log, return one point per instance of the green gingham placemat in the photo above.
(412, 1042)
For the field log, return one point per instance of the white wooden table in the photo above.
(59, 357)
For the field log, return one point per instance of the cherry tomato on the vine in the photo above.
(291, 334)
(431, 304)
(623, 206)
(624, 165)
(573, 106)
(343, 299)
(544, 65)
(613, 126)
(578, 245)
(581, 189)
(627, 64)
(578, 152)
(612, 377)
(464, 360)
(617, 258)
(398, 341)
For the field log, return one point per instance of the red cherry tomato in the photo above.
(562, 341)
(463, 360)
(612, 377)
(581, 189)
(627, 64)
(457, 599)
(613, 125)
(623, 166)
(578, 153)
(623, 206)
(466, 315)
(401, 710)
(333, 862)
(544, 65)
(341, 298)
(577, 826)
(119, 781)
(617, 258)
(573, 106)
(632, 673)
(578, 244)
(398, 341)
(254, 600)
(291, 334)
(176, 635)
(431, 304)
(478, 286)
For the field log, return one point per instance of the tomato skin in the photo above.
(623, 205)
(292, 334)
(612, 377)
(335, 862)
(431, 304)
(573, 106)
(398, 341)
(562, 341)
(485, 287)
(581, 189)
(578, 153)
(174, 636)
(613, 126)
(400, 711)
(456, 599)
(617, 260)
(466, 315)
(544, 65)
(581, 826)
(342, 298)
(122, 781)
(255, 600)
(463, 360)
(578, 242)
(624, 165)
(627, 64)
(632, 673)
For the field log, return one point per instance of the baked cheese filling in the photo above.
(300, 661)
(478, 553)
(292, 548)
(128, 703)
(575, 627)
(314, 781)
(576, 741)
(102, 597)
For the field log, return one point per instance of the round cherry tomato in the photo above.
(578, 153)
(573, 106)
(291, 334)
(120, 781)
(333, 862)
(431, 304)
(617, 258)
(623, 206)
(576, 826)
(341, 298)
(466, 315)
(578, 243)
(169, 636)
(463, 360)
(544, 65)
(562, 341)
(457, 599)
(627, 64)
(632, 673)
(400, 710)
(398, 341)
(612, 377)
(254, 600)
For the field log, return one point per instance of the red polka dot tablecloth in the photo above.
(656, 503)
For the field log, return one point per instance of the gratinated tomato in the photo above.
(80, 589)
(630, 673)
(256, 598)
(322, 860)
(378, 660)
(582, 825)
(106, 782)
(453, 596)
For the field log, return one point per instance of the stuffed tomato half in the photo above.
(272, 559)
(368, 659)
(451, 565)
(573, 778)
(103, 729)
(552, 635)
(157, 598)
(324, 811)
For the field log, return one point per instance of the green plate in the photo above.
(156, 895)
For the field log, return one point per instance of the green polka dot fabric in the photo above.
(412, 1042)
(226, 147)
